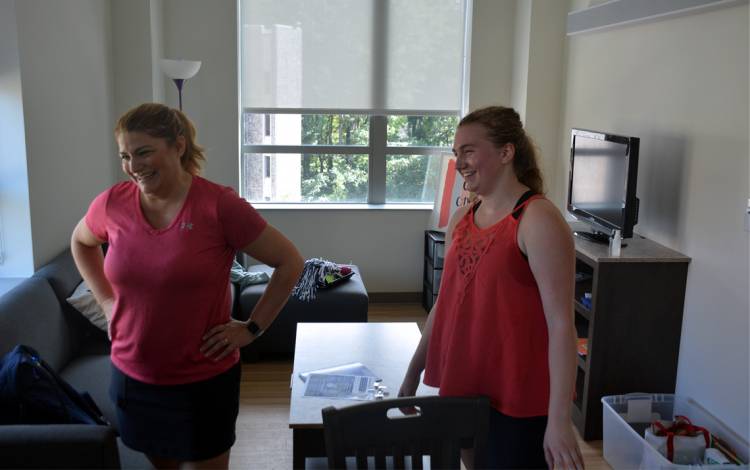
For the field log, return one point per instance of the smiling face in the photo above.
(478, 160)
(151, 163)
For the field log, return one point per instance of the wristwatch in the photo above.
(254, 329)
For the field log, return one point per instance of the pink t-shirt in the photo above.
(171, 285)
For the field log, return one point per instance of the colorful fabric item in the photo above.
(243, 278)
(171, 285)
(313, 275)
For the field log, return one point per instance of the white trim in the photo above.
(617, 13)
(391, 206)
(343, 149)
(466, 72)
(240, 186)
(375, 112)
(377, 171)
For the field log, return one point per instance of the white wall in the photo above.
(207, 31)
(158, 81)
(16, 251)
(520, 68)
(491, 53)
(132, 53)
(681, 85)
(386, 244)
(543, 88)
(64, 50)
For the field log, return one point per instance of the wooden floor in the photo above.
(264, 440)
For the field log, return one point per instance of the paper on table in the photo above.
(353, 368)
(349, 387)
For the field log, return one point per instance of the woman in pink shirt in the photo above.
(503, 322)
(172, 236)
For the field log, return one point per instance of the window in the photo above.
(348, 101)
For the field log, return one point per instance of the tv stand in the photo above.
(631, 326)
(596, 237)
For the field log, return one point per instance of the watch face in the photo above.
(254, 328)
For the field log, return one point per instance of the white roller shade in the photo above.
(373, 55)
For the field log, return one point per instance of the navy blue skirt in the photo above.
(187, 422)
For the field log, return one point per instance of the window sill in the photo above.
(263, 206)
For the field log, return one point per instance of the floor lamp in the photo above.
(179, 71)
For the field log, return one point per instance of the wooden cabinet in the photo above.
(434, 252)
(632, 325)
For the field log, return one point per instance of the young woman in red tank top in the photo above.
(503, 323)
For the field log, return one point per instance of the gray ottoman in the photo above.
(346, 302)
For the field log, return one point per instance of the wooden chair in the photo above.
(439, 429)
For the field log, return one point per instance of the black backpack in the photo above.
(31, 392)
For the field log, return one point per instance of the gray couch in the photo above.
(36, 314)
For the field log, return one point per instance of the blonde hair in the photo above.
(503, 125)
(163, 122)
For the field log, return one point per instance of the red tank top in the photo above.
(489, 334)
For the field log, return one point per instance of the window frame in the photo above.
(377, 150)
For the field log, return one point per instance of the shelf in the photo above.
(433, 262)
(632, 297)
(580, 380)
(580, 308)
(582, 326)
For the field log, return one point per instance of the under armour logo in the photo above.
(186, 226)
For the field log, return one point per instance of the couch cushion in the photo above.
(31, 314)
(92, 374)
(62, 274)
(83, 300)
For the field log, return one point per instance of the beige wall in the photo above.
(16, 248)
(66, 75)
(543, 99)
(681, 85)
(491, 53)
(207, 31)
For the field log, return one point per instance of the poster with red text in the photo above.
(450, 194)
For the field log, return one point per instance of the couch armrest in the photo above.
(58, 446)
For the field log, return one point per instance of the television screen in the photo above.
(603, 172)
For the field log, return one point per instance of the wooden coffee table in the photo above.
(385, 348)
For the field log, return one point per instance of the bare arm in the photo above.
(88, 256)
(275, 250)
(551, 251)
(418, 360)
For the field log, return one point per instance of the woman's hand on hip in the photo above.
(221, 340)
(561, 446)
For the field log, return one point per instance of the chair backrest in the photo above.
(441, 427)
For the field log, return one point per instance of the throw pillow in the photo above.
(83, 300)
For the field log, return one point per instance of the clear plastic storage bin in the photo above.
(626, 418)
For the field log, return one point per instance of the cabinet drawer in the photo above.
(439, 254)
(437, 275)
(433, 242)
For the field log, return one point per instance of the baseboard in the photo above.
(394, 297)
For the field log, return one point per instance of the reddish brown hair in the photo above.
(162, 122)
(503, 126)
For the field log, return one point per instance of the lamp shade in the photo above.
(180, 69)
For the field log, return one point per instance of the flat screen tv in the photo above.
(601, 190)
